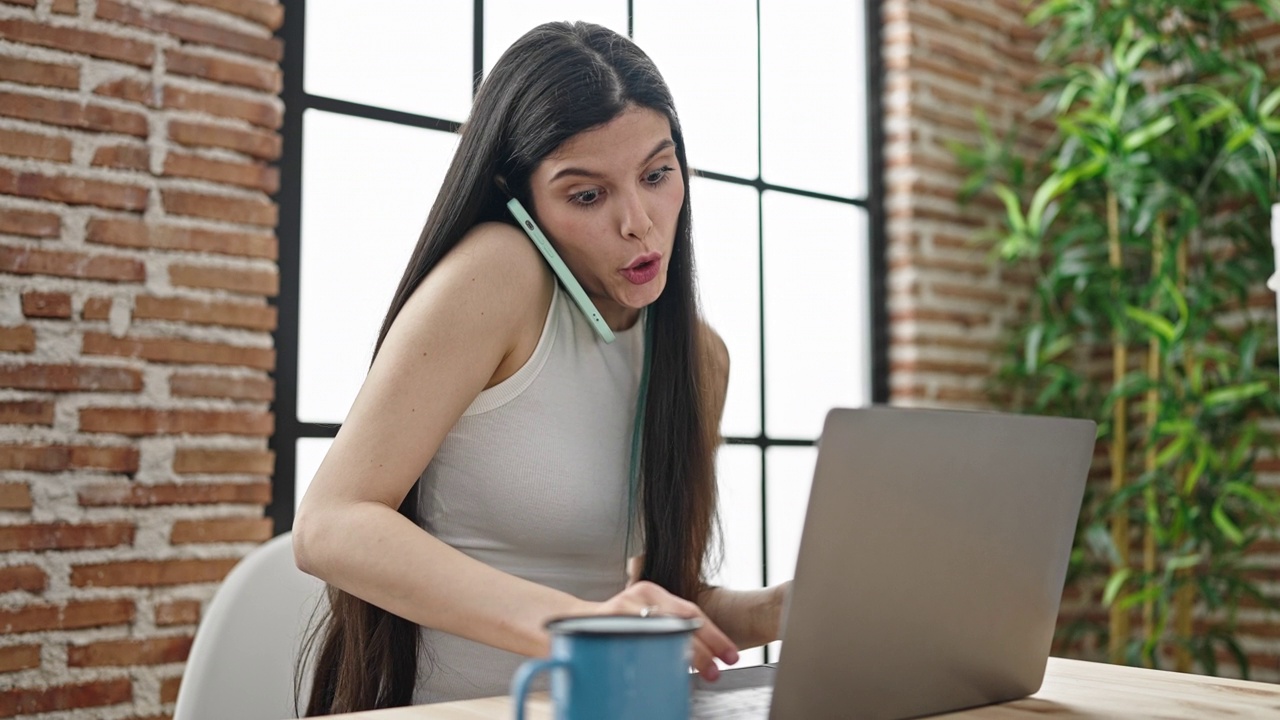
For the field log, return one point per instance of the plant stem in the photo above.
(1119, 518)
(1184, 598)
(1153, 414)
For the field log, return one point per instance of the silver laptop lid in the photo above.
(932, 561)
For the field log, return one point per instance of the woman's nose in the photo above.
(635, 222)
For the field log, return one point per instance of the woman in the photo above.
(490, 475)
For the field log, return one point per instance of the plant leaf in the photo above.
(1013, 207)
(1157, 324)
(1235, 393)
(1224, 524)
(1114, 583)
(1152, 130)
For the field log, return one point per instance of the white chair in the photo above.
(245, 650)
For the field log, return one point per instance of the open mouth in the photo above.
(644, 269)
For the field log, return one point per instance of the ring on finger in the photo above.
(648, 610)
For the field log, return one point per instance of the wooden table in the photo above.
(1072, 689)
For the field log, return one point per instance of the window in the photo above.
(780, 108)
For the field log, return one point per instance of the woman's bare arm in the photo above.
(749, 617)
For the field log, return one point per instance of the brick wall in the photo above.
(137, 256)
(949, 307)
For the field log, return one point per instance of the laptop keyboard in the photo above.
(745, 703)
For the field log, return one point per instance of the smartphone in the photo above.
(561, 270)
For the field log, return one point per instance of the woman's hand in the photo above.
(751, 618)
(645, 598)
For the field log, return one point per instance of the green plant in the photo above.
(1144, 223)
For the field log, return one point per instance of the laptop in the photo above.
(930, 569)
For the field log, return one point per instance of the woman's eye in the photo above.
(586, 197)
(658, 175)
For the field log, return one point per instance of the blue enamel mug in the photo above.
(622, 667)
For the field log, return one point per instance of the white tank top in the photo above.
(532, 480)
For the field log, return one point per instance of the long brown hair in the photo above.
(553, 83)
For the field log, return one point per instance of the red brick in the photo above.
(17, 339)
(221, 530)
(30, 224)
(19, 657)
(26, 261)
(46, 305)
(98, 308)
(169, 689)
(64, 536)
(150, 573)
(978, 268)
(253, 211)
(73, 190)
(131, 89)
(967, 292)
(217, 386)
(988, 347)
(15, 496)
(1262, 32)
(263, 113)
(249, 282)
(26, 412)
(941, 367)
(57, 458)
(960, 395)
(264, 13)
(29, 72)
(33, 700)
(178, 612)
(73, 114)
(123, 157)
(255, 176)
(152, 651)
(128, 232)
(70, 378)
(170, 350)
(133, 495)
(66, 7)
(250, 141)
(205, 312)
(60, 37)
(143, 421)
(191, 30)
(951, 317)
(216, 461)
(21, 577)
(222, 70)
(34, 145)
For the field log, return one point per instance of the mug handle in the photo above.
(525, 675)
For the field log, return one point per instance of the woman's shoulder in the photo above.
(493, 261)
(501, 252)
(493, 282)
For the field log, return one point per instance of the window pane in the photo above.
(813, 95)
(726, 239)
(789, 473)
(707, 54)
(816, 323)
(506, 20)
(311, 452)
(400, 54)
(366, 190)
(738, 476)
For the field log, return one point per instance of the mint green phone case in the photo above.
(561, 270)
